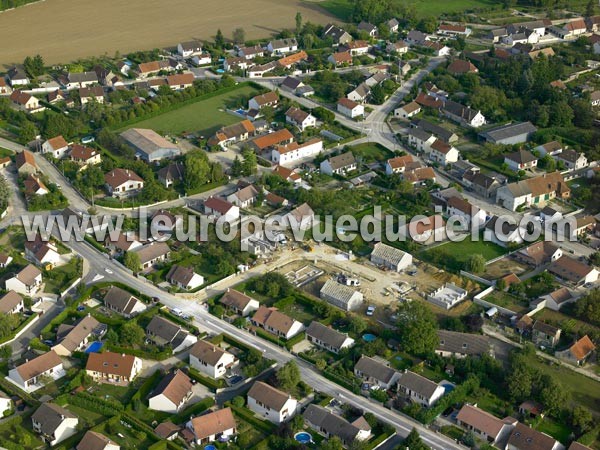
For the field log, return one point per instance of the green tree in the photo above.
(413, 441)
(553, 394)
(132, 261)
(377, 94)
(333, 443)
(427, 25)
(475, 264)
(131, 334)
(298, 22)
(288, 376)
(417, 328)
(358, 324)
(582, 418)
(249, 163)
(34, 66)
(5, 352)
(27, 132)
(321, 364)
(239, 35)
(197, 169)
(219, 39)
(238, 401)
(236, 167)
(590, 8)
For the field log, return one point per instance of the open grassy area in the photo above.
(204, 116)
(555, 429)
(455, 254)
(372, 152)
(424, 8)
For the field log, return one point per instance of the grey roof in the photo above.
(329, 336)
(50, 416)
(340, 292)
(291, 82)
(388, 253)
(334, 32)
(519, 188)
(268, 395)
(462, 111)
(374, 369)
(147, 141)
(441, 132)
(207, 352)
(152, 251)
(366, 26)
(417, 383)
(545, 328)
(419, 133)
(521, 157)
(416, 35)
(464, 343)
(282, 43)
(330, 423)
(181, 274)
(341, 161)
(363, 90)
(509, 130)
(16, 73)
(120, 300)
(163, 330)
(82, 77)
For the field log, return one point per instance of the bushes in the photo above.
(194, 410)
(97, 404)
(261, 425)
(158, 355)
(206, 381)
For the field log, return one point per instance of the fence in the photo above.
(71, 286)
(476, 278)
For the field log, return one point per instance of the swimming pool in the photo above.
(369, 337)
(94, 347)
(210, 447)
(303, 437)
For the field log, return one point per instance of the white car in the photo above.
(370, 310)
(107, 270)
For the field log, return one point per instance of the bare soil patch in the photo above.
(65, 30)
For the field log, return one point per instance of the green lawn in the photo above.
(453, 255)
(555, 429)
(204, 116)
(5, 152)
(372, 152)
(343, 8)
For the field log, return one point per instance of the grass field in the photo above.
(459, 252)
(343, 8)
(138, 25)
(204, 116)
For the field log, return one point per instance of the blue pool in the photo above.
(448, 387)
(94, 347)
(210, 447)
(303, 437)
(369, 337)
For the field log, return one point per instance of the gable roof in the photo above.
(218, 204)
(163, 328)
(338, 291)
(271, 318)
(25, 157)
(328, 335)
(456, 109)
(296, 114)
(57, 142)
(176, 386)
(79, 332)
(151, 251)
(272, 139)
(539, 252)
(20, 97)
(480, 420)
(50, 416)
(28, 275)
(510, 130)
(110, 363)
(545, 328)
(460, 66)
(36, 366)
(523, 437)
(118, 176)
(418, 384)
(213, 423)
(82, 153)
(342, 57)
(400, 161)
(9, 301)
(521, 157)
(266, 98)
(301, 212)
(331, 423)
(120, 300)
(388, 253)
(374, 369)
(341, 161)
(463, 343)
(268, 395)
(582, 348)
(235, 299)
(207, 352)
(347, 103)
(181, 274)
(570, 269)
(180, 79)
(93, 440)
(293, 59)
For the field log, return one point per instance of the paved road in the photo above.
(201, 316)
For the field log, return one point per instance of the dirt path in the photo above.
(64, 30)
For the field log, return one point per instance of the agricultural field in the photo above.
(205, 116)
(121, 30)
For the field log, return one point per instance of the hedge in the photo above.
(379, 439)
(157, 356)
(11, 389)
(178, 320)
(261, 425)
(341, 381)
(147, 386)
(206, 381)
(289, 344)
(94, 243)
(160, 445)
(90, 402)
(19, 328)
(193, 410)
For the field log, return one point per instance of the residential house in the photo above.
(420, 140)
(43, 253)
(442, 153)
(276, 322)
(221, 209)
(384, 255)
(92, 440)
(270, 98)
(339, 165)
(416, 37)
(53, 423)
(17, 77)
(251, 52)
(573, 271)
(473, 215)
(438, 48)
(184, 277)
(407, 110)
(399, 47)
(539, 253)
(460, 345)
(294, 152)
(374, 372)
(288, 61)
(71, 339)
(282, 46)
(328, 338)
(272, 140)
(594, 98)
(91, 94)
(392, 25)
(212, 426)
(260, 70)
(302, 216)
(482, 424)
(34, 186)
(171, 174)
(446, 29)
(190, 48)
(360, 93)
(557, 299)
(11, 303)
(203, 59)
(110, 367)
(167, 430)
(244, 197)
(356, 48)
(440, 132)
(5, 89)
(572, 159)
(350, 108)
(502, 232)
(336, 34)
(329, 425)
(270, 403)
(211, 359)
(461, 67)
(57, 146)
(164, 333)
(398, 164)
(524, 437)
(125, 242)
(368, 28)
(579, 352)
(575, 28)
(551, 148)
(123, 182)
(533, 191)
(548, 214)
(240, 303)
(172, 393)
(291, 84)
(123, 302)
(25, 102)
(521, 160)
(152, 254)
(180, 81)
(31, 375)
(428, 230)
(26, 282)
(300, 118)
(164, 65)
(75, 80)
(289, 175)
(545, 335)
(513, 133)
(420, 389)
(149, 145)
(85, 156)
(463, 115)
(235, 63)
(232, 133)
(584, 225)
(340, 295)
(419, 175)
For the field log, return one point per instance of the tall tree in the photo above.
(475, 264)
(288, 376)
(132, 261)
(197, 169)
(590, 9)
(219, 39)
(298, 22)
(413, 441)
(417, 328)
(239, 36)
(249, 164)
